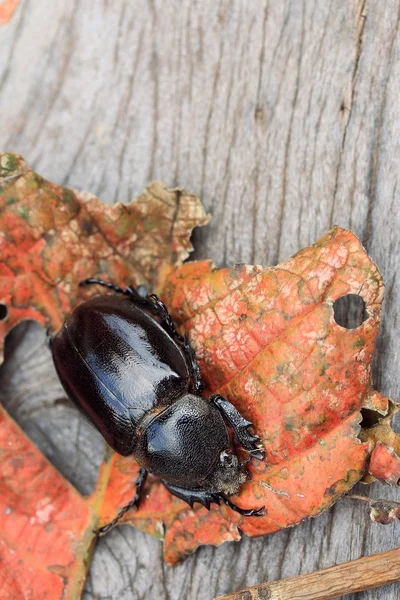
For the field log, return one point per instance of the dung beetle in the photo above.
(122, 361)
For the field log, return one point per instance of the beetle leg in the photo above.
(140, 295)
(194, 365)
(151, 301)
(206, 498)
(135, 502)
(250, 512)
(49, 339)
(167, 322)
(191, 496)
(170, 326)
(129, 291)
(239, 426)
(161, 311)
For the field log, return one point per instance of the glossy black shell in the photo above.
(119, 366)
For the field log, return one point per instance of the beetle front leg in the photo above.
(206, 498)
(239, 426)
(135, 502)
(191, 496)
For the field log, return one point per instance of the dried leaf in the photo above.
(381, 511)
(385, 458)
(51, 238)
(266, 339)
(44, 522)
(385, 464)
(384, 511)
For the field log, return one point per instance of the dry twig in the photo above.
(326, 584)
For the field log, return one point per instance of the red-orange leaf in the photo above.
(53, 237)
(7, 9)
(44, 522)
(385, 464)
(265, 338)
(268, 340)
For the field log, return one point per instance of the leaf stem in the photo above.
(358, 497)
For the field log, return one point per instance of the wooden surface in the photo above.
(285, 118)
(325, 584)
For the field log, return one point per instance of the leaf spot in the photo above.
(274, 490)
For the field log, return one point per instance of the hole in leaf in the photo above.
(3, 312)
(350, 311)
(370, 418)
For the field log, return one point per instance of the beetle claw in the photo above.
(257, 512)
(259, 454)
(250, 512)
(102, 530)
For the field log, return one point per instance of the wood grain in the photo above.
(284, 117)
(326, 584)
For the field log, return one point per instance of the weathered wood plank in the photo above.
(325, 584)
(283, 117)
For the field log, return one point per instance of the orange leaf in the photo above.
(7, 9)
(267, 339)
(385, 464)
(44, 522)
(51, 238)
(269, 342)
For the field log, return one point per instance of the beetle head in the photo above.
(227, 475)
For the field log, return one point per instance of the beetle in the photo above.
(122, 361)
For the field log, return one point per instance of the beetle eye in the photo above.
(226, 458)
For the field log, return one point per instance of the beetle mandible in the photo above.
(122, 361)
